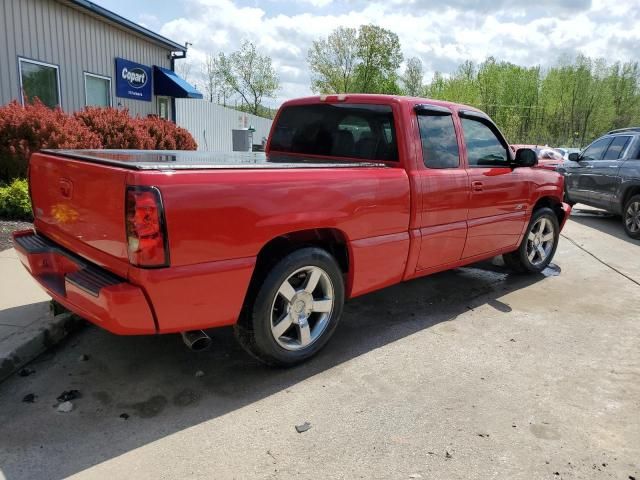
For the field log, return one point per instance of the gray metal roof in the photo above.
(104, 14)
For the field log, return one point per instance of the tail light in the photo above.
(147, 240)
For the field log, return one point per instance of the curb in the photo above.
(39, 340)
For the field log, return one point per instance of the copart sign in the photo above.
(133, 80)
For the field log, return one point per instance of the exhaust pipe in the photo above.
(196, 340)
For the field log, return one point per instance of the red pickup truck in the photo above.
(353, 193)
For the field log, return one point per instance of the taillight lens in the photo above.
(147, 240)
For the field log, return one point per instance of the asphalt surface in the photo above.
(472, 373)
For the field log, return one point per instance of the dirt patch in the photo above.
(7, 227)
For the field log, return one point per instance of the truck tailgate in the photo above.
(80, 205)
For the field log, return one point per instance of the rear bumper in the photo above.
(84, 288)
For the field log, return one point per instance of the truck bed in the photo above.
(190, 160)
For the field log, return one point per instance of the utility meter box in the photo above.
(242, 139)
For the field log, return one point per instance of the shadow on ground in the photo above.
(153, 379)
(602, 221)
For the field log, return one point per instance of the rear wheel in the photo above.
(295, 310)
(631, 217)
(538, 245)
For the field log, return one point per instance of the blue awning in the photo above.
(167, 82)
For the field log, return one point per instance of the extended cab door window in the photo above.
(341, 130)
(484, 149)
(439, 142)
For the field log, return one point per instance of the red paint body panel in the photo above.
(400, 220)
(89, 219)
(204, 295)
(497, 208)
(232, 214)
(382, 260)
(121, 308)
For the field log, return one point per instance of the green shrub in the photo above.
(14, 201)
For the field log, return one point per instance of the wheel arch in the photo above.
(630, 191)
(332, 240)
(554, 204)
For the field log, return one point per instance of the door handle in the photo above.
(477, 186)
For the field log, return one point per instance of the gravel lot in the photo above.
(474, 373)
(7, 227)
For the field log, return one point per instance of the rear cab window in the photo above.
(360, 131)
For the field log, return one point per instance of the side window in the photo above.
(596, 150)
(484, 149)
(617, 148)
(439, 142)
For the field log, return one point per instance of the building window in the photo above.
(39, 80)
(97, 90)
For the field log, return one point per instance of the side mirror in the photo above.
(574, 157)
(525, 157)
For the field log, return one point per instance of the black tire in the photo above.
(631, 217)
(255, 334)
(519, 260)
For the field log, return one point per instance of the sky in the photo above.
(441, 33)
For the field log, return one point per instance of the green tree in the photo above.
(380, 58)
(624, 83)
(333, 60)
(412, 78)
(357, 61)
(248, 74)
(570, 103)
(215, 86)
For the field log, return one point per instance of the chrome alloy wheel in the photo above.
(302, 308)
(632, 217)
(540, 241)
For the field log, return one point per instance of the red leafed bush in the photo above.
(116, 128)
(24, 130)
(167, 135)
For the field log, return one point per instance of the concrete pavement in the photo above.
(615, 248)
(473, 373)
(27, 327)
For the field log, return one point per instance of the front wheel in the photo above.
(631, 217)
(295, 310)
(538, 245)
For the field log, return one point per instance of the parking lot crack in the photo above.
(600, 260)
